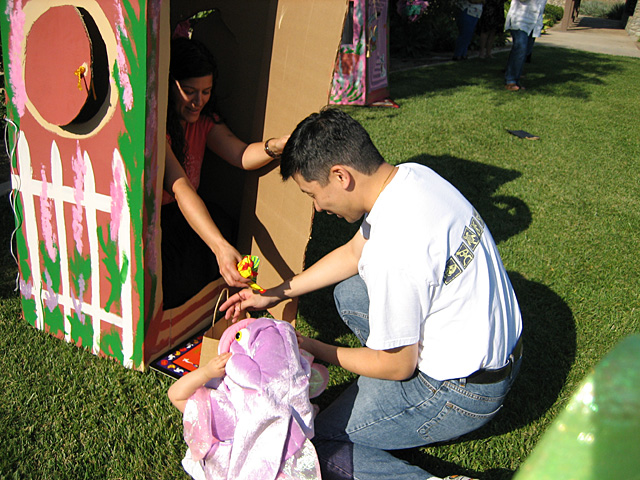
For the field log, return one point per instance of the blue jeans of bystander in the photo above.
(522, 46)
(466, 26)
(372, 416)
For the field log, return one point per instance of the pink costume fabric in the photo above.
(256, 423)
(195, 136)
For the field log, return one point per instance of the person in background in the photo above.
(524, 22)
(196, 237)
(421, 285)
(469, 11)
(491, 23)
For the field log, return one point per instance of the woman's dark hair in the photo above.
(189, 59)
(328, 138)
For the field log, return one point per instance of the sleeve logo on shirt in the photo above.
(463, 256)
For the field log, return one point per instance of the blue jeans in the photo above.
(372, 416)
(522, 46)
(466, 26)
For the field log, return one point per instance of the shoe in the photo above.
(458, 477)
(514, 87)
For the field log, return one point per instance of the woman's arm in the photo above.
(186, 386)
(222, 141)
(195, 211)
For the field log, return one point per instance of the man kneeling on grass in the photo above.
(422, 286)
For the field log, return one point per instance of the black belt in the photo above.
(495, 376)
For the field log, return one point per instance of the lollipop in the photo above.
(248, 268)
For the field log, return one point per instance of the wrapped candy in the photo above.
(248, 268)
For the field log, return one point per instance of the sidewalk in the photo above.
(597, 35)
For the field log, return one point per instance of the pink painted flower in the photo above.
(26, 289)
(77, 302)
(117, 194)
(79, 170)
(123, 66)
(51, 299)
(16, 47)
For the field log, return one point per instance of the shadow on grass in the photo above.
(561, 73)
(549, 335)
(506, 216)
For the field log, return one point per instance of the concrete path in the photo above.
(597, 35)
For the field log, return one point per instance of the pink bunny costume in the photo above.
(257, 422)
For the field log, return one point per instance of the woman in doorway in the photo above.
(197, 236)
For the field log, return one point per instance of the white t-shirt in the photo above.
(434, 277)
(526, 15)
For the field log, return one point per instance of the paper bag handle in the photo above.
(224, 292)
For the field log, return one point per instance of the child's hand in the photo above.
(215, 367)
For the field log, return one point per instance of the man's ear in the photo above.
(342, 174)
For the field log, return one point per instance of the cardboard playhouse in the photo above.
(87, 86)
(361, 75)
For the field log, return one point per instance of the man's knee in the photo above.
(348, 290)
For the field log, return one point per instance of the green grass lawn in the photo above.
(565, 211)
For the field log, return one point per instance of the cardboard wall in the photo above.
(87, 173)
(78, 78)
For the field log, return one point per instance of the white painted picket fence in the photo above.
(30, 191)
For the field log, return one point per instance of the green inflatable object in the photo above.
(597, 435)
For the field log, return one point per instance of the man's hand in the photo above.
(247, 300)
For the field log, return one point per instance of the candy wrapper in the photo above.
(248, 268)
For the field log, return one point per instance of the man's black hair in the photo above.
(322, 140)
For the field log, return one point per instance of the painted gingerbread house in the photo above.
(87, 87)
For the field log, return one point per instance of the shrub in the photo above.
(600, 9)
(554, 12)
(434, 31)
(616, 11)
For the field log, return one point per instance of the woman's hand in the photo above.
(276, 145)
(228, 258)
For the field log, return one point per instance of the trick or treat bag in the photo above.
(211, 338)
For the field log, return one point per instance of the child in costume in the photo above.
(247, 413)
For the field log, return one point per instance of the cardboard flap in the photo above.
(278, 218)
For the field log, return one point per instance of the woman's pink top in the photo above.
(195, 137)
